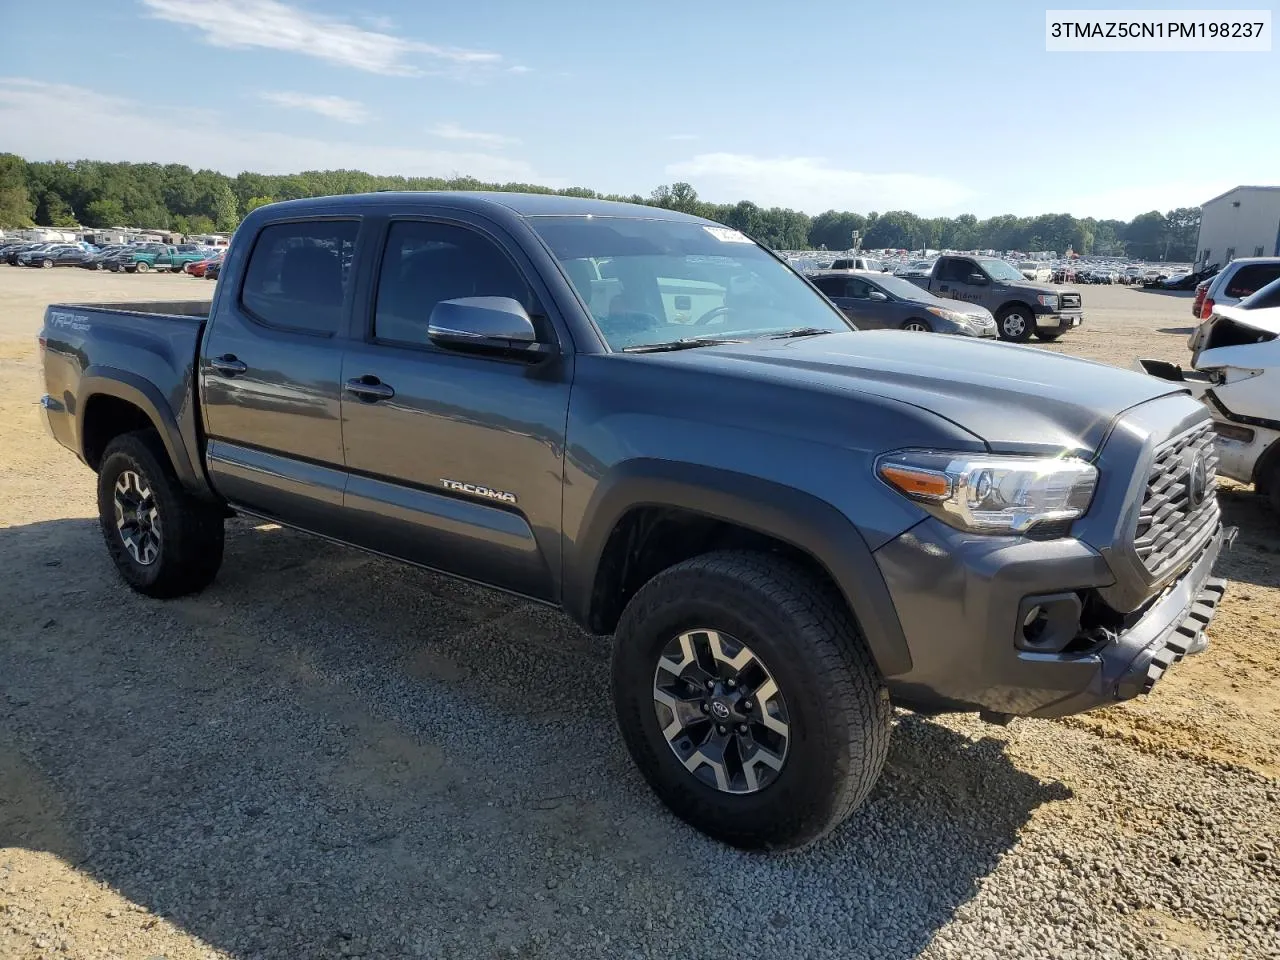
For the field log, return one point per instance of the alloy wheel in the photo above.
(915, 326)
(721, 711)
(137, 519)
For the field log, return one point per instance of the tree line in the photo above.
(174, 197)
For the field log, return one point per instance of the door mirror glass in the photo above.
(484, 323)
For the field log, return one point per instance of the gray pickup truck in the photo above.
(1021, 307)
(655, 424)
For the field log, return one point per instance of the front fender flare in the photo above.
(775, 510)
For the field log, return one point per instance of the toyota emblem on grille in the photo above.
(1197, 482)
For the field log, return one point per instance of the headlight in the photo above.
(1049, 300)
(991, 494)
(951, 315)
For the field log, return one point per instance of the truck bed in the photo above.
(140, 353)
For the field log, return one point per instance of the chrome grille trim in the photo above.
(1167, 524)
(1069, 301)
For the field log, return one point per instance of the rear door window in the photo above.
(831, 286)
(299, 275)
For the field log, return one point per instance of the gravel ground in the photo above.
(326, 754)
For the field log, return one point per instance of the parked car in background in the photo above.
(104, 256)
(212, 271)
(200, 267)
(917, 268)
(880, 301)
(1022, 308)
(1036, 270)
(858, 263)
(1237, 280)
(1188, 281)
(58, 255)
(11, 257)
(1235, 370)
(143, 257)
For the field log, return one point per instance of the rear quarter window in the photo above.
(1252, 278)
(299, 274)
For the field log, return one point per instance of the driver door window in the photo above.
(425, 263)
(859, 289)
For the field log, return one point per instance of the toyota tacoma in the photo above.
(648, 420)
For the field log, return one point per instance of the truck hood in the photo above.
(1016, 399)
(1033, 287)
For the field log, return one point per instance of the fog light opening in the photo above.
(1034, 625)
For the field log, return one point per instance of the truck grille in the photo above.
(1169, 523)
(1069, 301)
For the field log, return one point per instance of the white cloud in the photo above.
(275, 25)
(811, 184)
(335, 108)
(451, 131)
(45, 121)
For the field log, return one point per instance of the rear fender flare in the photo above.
(123, 385)
(775, 510)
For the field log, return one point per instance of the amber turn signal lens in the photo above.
(916, 483)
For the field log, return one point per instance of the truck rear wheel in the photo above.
(1015, 324)
(164, 542)
(142, 267)
(749, 700)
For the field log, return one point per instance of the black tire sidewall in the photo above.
(130, 453)
(799, 804)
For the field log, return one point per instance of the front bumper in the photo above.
(961, 599)
(1059, 321)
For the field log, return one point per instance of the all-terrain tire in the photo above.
(189, 550)
(802, 631)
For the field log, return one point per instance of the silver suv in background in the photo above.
(1237, 280)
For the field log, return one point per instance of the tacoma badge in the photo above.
(476, 490)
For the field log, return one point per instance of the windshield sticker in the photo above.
(726, 235)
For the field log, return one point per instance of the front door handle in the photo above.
(228, 365)
(370, 389)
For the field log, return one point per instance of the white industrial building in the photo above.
(1243, 222)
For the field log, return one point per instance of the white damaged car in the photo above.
(1235, 370)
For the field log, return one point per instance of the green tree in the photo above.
(225, 215)
(104, 213)
(253, 203)
(16, 208)
(1146, 235)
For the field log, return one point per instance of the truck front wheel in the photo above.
(163, 541)
(749, 700)
(142, 267)
(1015, 323)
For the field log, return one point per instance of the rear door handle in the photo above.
(228, 365)
(370, 389)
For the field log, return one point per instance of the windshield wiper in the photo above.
(798, 332)
(686, 343)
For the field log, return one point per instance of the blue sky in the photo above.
(936, 107)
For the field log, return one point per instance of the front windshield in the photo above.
(1000, 270)
(650, 282)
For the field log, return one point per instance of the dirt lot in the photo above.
(330, 755)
